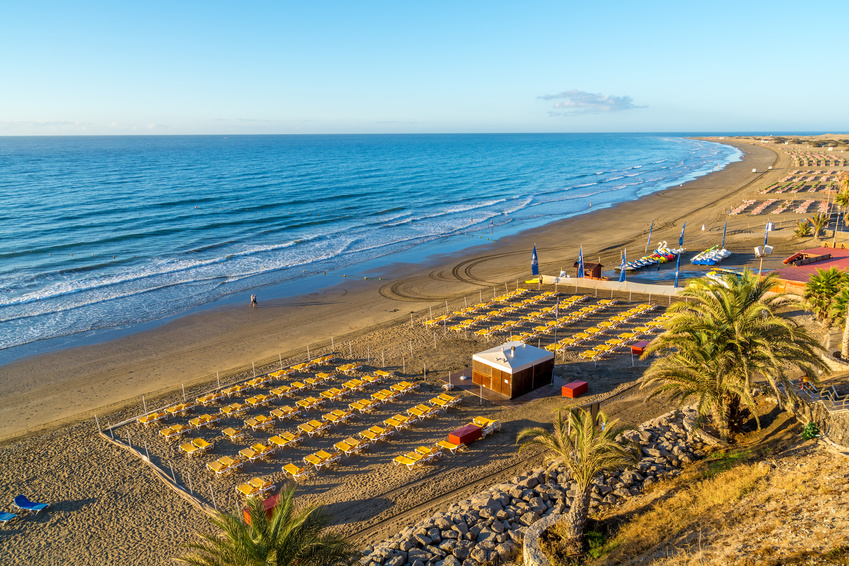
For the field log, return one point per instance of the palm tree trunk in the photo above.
(575, 521)
(844, 345)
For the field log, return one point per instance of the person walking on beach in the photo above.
(253, 301)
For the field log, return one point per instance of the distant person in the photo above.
(253, 301)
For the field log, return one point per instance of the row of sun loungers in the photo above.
(353, 445)
(426, 454)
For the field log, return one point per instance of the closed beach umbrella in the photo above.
(681, 238)
(581, 261)
(677, 269)
(622, 268)
(534, 262)
(723, 233)
(648, 243)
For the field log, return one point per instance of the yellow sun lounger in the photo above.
(369, 435)
(382, 432)
(151, 418)
(451, 447)
(282, 391)
(190, 449)
(296, 472)
(406, 461)
(256, 487)
(202, 445)
(233, 433)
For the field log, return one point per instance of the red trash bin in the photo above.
(465, 435)
(575, 389)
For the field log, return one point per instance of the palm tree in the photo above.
(839, 308)
(819, 221)
(803, 229)
(289, 537)
(698, 369)
(586, 451)
(842, 201)
(724, 337)
(820, 291)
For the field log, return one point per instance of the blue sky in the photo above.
(191, 67)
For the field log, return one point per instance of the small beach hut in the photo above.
(513, 369)
(591, 270)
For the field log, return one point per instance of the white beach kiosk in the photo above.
(513, 369)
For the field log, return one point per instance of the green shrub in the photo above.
(810, 431)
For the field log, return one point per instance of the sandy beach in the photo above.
(106, 506)
(74, 383)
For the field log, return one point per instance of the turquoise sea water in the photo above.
(108, 232)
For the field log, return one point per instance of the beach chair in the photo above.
(6, 517)
(410, 463)
(403, 422)
(416, 413)
(262, 486)
(307, 429)
(22, 503)
(262, 423)
(439, 404)
(282, 391)
(202, 445)
(291, 438)
(317, 460)
(429, 453)
(382, 433)
(296, 472)
(231, 464)
(451, 447)
(488, 426)
(412, 460)
(217, 467)
(428, 412)
(247, 490)
(451, 400)
(330, 418)
(356, 445)
(233, 433)
(250, 454)
(319, 427)
(343, 416)
(369, 435)
(174, 431)
(201, 421)
(190, 449)
(151, 418)
(392, 424)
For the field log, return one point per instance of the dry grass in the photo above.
(699, 499)
(774, 499)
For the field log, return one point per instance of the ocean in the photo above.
(99, 233)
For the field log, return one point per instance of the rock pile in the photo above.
(492, 524)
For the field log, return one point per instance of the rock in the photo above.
(406, 545)
(451, 561)
(422, 540)
(530, 482)
(443, 524)
(462, 550)
(507, 551)
(448, 546)
(397, 560)
(450, 534)
(498, 527)
(480, 555)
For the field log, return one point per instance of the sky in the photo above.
(285, 67)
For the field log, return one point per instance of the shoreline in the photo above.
(60, 386)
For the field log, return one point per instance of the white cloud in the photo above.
(574, 102)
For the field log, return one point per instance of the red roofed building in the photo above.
(793, 278)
